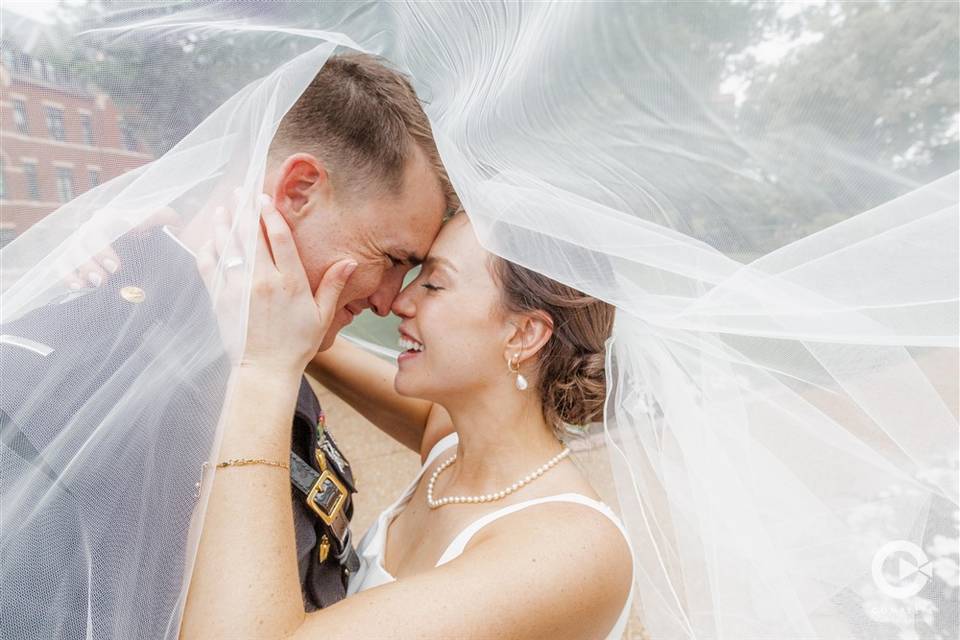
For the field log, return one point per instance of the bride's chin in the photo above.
(402, 384)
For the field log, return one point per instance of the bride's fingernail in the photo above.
(110, 265)
(349, 269)
(95, 278)
(76, 285)
(265, 200)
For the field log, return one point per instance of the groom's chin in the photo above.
(327, 341)
(332, 332)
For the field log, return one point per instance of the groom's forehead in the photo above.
(415, 240)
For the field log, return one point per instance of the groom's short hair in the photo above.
(362, 118)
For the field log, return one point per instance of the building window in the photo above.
(94, 176)
(20, 116)
(24, 63)
(7, 236)
(30, 176)
(86, 126)
(126, 135)
(65, 184)
(55, 123)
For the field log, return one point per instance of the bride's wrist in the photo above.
(269, 372)
(261, 405)
(273, 384)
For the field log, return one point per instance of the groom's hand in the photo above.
(95, 271)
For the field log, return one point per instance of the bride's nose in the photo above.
(404, 305)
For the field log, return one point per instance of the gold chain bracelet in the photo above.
(240, 462)
(235, 462)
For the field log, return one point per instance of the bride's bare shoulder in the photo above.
(567, 541)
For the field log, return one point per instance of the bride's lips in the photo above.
(406, 355)
(410, 353)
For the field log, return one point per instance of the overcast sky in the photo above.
(36, 9)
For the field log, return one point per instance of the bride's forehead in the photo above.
(458, 243)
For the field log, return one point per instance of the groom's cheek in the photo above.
(331, 334)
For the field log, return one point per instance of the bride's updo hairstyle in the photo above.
(570, 366)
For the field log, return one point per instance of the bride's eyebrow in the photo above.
(433, 261)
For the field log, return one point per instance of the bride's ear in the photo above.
(530, 332)
(300, 178)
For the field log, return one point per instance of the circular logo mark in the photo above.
(911, 572)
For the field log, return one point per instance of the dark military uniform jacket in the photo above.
(66, 367)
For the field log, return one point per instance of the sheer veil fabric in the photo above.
(767, 194)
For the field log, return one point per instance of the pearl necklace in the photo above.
(490, 497)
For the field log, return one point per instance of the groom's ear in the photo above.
(301, 177)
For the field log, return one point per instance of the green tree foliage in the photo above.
(897, 61)
(171, 85)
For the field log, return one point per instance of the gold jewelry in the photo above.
(240, 462)
(514, 366)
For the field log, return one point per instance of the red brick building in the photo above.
(57, 140)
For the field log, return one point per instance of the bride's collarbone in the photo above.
(418, 535)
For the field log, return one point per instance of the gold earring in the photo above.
(514, 365)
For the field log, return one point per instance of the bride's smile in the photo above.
(451, 324)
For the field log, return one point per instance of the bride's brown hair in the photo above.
(570, 367)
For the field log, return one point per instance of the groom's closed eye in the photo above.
(405, 259)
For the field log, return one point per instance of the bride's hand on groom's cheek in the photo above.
(287, 322)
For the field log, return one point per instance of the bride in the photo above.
(499, 534)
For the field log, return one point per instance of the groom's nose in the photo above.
(382, 299)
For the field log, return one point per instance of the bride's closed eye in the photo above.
(431, 287)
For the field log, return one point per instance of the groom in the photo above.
(354, 170)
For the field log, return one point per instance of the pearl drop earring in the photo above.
(514, 366)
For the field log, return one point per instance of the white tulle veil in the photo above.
(767, 193)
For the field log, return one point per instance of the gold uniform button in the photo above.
(135, 295)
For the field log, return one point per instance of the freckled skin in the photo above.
(328, 227)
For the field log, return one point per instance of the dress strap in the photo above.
(456, 547)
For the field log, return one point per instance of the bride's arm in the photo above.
(365, 382)
(245, 578)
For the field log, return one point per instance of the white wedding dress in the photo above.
(374, 542)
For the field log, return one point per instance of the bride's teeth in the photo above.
(409, 345)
